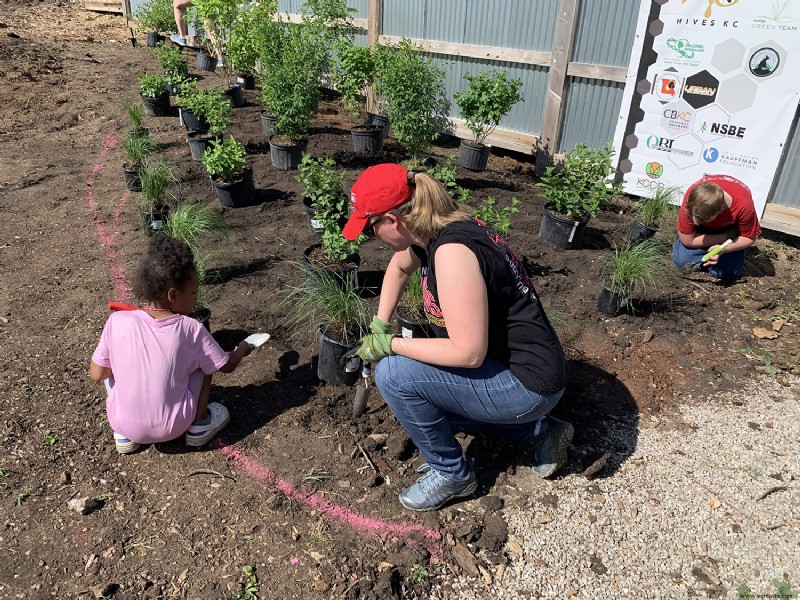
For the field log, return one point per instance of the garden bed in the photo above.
(295, 487)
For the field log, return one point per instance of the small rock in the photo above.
(713, 502)
(647, 335)
(321, 586)
(84, 505)
(492, 503)
(379, 438)
(65, 478)
(104, 590)
(596, 565)
(465, 560)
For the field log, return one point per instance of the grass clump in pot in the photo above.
(156, 177)
(134, 118)
(410, 306)
(658, 211)
(195, 224)
(330, 303)
(634, 268)
(136, 149)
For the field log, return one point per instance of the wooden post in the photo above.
(563, 43)
(374, 32)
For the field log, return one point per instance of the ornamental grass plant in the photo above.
(659, 209)
(634, 268)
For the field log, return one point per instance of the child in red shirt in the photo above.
(715, 209)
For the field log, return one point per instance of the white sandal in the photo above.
(200, 435)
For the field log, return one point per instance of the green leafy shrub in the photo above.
(151, 85)
(155, 16)
(488, 98)
(324, 185)
(225, 161)
(413, 88)
(242, 49)
(582, 186)
(353, 72)
(209, 105)
(497, 217)
(171, 60)
(446, 175)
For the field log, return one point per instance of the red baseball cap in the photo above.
(378, 190)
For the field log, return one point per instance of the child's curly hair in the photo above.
(168, 263)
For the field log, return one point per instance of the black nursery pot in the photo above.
(205, 62)
(248, 82)
(333, 362)
(202, 314)
(156, 107)
(379, 121)
(269, 125)
(316, 226)
(640, 232)
(367, 139)
(154, 39)
(608, 302)
(473, 157)
(287, 157)
(342, 274)
(132, 181)
(414, 329)
(559, 232)
(190, 121)
(154, 220)
(235, 95)
(199, 141)
(237, 193)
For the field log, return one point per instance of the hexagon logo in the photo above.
(667, 86)
(707, 123)
(677, 117)
(700, 89)
(710, 155)
(766, 61)
(728, 55)
(737, 93)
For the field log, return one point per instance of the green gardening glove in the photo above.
(375, 346)
(378, 325)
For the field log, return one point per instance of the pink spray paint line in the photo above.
(107, 235)
(411, 534)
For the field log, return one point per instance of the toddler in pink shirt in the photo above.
(157, 362)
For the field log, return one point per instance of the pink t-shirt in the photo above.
(152, 360)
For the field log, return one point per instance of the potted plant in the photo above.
(337, 313)
(206, 114)
(324, 197)
(156, 177)
(134, 117)
(488, 98)
(498, 218)
(411, 320)
(230, 174)
(242, 50)
(653, 213)
(291, 90)
(353, 74)
(217, 17)
(175, 68)
(574, 193)
(196, 224)
(154, 94)
(156, 18)
(413, 88)
(626, 270)
(136, 149)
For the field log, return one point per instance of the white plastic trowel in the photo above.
(256, 340)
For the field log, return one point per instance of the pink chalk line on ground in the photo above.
(107, 234)
(411, 534)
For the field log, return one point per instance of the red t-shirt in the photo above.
(740, 216)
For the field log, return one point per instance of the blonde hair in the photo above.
(430, 208)
(705, 202)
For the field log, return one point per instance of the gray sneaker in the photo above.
(550, 446)
(435, 488)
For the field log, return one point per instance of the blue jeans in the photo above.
(432, 402)
(729, 265)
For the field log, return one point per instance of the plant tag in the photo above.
(407, 333)
(157, 225)
(257, 339)
(572, 232)
(317, 225)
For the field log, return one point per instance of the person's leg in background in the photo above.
(179, 10)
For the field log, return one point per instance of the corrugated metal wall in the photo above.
(787, 190)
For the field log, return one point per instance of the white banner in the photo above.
(712, 88)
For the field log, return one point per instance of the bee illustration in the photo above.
(711, 3)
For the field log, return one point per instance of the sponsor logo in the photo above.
(710, 154)
(667, 86)
(663, 144)
(700, 89)
(717, 3)
(651, 185)
(779, 21)
(654, 170)
(742, 161)
(678, 119)
(706, 22)
(764, 62)
(684, 48)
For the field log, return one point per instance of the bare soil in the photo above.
(296, 487)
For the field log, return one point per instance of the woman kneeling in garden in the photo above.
(495, 365)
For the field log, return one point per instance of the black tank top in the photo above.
(520, 335)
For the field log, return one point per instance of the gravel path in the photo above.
(708, 502)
